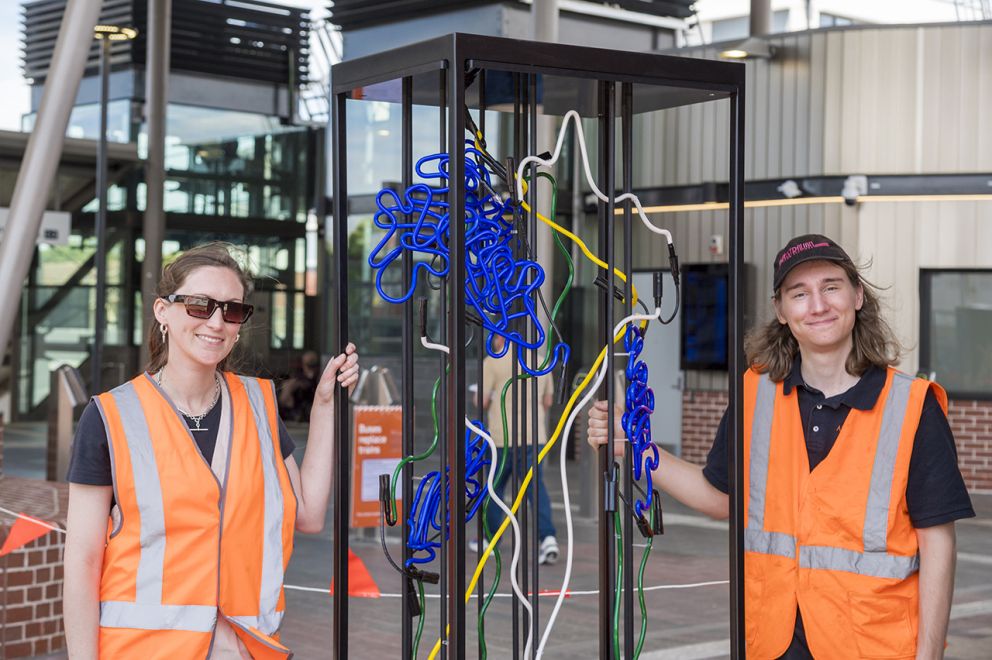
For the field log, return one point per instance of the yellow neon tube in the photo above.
(526, 482)
(561, 420)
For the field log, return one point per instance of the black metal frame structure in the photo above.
(614, 75)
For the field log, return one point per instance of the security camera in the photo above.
(854, 186)
(790, 189)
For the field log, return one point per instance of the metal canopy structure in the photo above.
(246, 39)
(449, 73)
(75, 183)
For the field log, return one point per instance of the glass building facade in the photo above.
(243, 178)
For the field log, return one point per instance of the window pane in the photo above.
(960, 323)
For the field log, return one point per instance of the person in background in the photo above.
(184, 495)
(851, 485)
(296, 393)
(495, 373)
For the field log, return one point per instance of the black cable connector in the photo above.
(610, 488)
(644, 526)
(511, 178)
(411, 592)
(659, 522)
(560, 387)
(385, 499)
(659, 285)
(602, 284)
(423, 316)
(673, 264)
(422, 576)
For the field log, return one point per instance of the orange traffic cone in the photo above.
(360, 582)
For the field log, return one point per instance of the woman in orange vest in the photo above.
(195, 469)
(851, 485)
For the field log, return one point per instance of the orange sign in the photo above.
(377, 448)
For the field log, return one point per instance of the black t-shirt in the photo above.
(935, 490)
(90, 460)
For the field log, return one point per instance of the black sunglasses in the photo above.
(202, 307)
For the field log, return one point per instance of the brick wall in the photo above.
(31, 599)
(701, 413)
(971, 422)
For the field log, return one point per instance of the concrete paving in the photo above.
(683, 622)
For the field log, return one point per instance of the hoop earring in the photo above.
(163, 329)
(237, 337)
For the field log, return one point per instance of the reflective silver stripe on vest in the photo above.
(761, 445)
(147, 493)
(883, 471)
(770, 543)
(270, 622)
(875, 564)
(146, 616)
(272, 564)
(755, 538)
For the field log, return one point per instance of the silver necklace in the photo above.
(196, 419)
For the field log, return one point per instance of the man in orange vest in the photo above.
(851, 484)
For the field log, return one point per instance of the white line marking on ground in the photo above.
(974, 608)
(717, 649)
(544, 593)
(972, 558)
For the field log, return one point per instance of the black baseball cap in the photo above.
(808, 247)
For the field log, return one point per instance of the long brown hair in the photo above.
(215, 254)
(771, 348)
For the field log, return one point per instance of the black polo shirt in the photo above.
(935, 491)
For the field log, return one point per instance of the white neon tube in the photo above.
(516, 534)
(502, 505)
(564, 477)
(574, 116)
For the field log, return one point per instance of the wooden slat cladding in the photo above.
(243, 39)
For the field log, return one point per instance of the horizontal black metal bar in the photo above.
(719, 90)
(580, 61)
(364, 71)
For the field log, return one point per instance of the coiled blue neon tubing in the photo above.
(425, 515)
(636, 419)
(498, 286)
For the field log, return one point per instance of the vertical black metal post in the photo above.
(735, 431)
(536, 434)
(342, 444)
(406, 136)
(520, 404)
(480, 535)
(100, 316)
(456, 333)
(607, 548)
(626, 148)
(442, 401)
(513, 451)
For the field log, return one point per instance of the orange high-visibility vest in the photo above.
(838, 541)
(188, 549)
